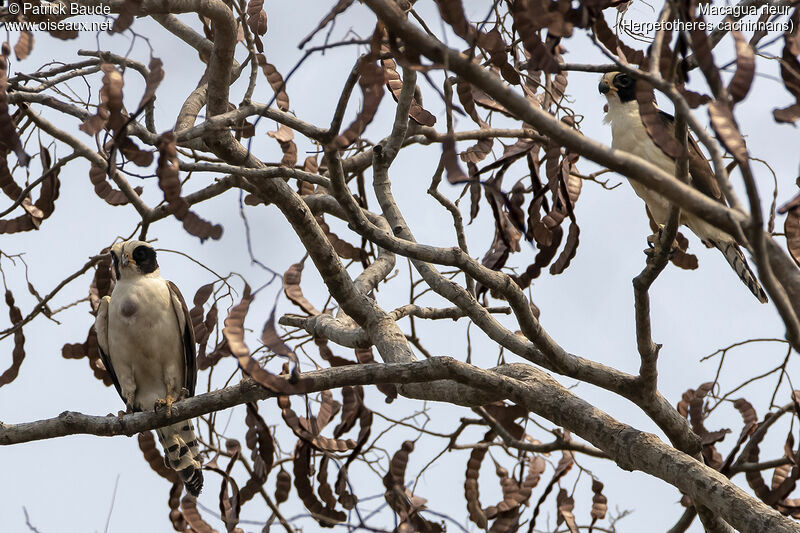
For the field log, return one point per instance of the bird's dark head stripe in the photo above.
(115, 261)
(624, 85)
(145, 258)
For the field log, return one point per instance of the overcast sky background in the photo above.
(67, 484)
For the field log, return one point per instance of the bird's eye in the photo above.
(140, 253)
(624, 80)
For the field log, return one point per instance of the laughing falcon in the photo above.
(147, 344)
(629, 134)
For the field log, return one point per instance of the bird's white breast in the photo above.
(628, 134)
(144, 335)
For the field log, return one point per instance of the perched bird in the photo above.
(629, 134)
(147, 344)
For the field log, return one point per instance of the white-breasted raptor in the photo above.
(147, 344)
(629, 134)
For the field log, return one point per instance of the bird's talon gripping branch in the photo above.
(655, 244)
(165, 402)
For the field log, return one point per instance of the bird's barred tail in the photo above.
(733, 254)
(181, 453)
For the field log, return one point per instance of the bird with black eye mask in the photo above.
(146, 342)
(629, 134)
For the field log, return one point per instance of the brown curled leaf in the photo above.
(564, 465)
(273, 341)
(347, 499)
(609, 39)
(154, 78)
(91, 350)
(570, 248)
(275, 81)
(455, 174)
(111, 96)
(599, 503)
(328, 409)
(18, 353)
(547, 241)
(257, 17)
(507, 522)
(724, 125)
(754, 478)
(102, 283)
(471, 490)
(478, 151)
(692, 98)
(104, 190)
(506, 415)
(452, 12)
(9, 137)
(10, 187)
(259, 440)
(352, 402)
(196, 313)
(657, 129)
(128, 10)
(36, 212)
(745, 68)
(324, 488)
(528, 24)
(147, 444)
(371, 81)
(302, 428)
(285, 136)
(174, 502)
(169, 182)
(536, 468)
(292, 290)
(492, 41)
(302, 473)
(705, 59)
(283, 485)
(788, 114)
(24, 45)
(192, 516)
(396, 476)
(791, 228)
(511, 494)
(205, 361)
(343, 249)
(133, 153)
(326, 353)
(464, 92)
(565, 504)
(395, 85)
(234, 334)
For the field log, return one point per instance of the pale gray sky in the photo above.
(67, 484)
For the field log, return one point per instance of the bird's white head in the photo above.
(133, 259)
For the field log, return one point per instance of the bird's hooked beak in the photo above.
(125, 260)
(603, 87)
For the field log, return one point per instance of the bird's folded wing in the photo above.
(700, 171)
(187, 332)
(101, 330)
